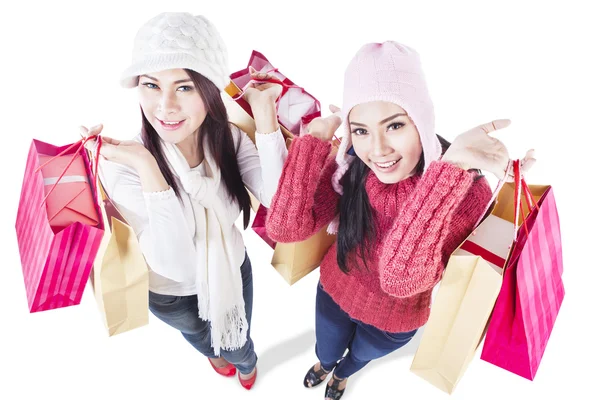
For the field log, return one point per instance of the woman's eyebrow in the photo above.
(382, 121)
(175, 83)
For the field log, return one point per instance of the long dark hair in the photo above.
(220, 144)
(356, 232)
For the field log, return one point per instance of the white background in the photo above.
(535, 63)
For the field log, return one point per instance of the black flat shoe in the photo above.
(315, 378)
(333, 391)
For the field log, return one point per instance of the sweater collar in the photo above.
(387, 199)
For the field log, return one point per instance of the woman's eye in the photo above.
(396, 126)
(359, 131)
(185, 88)
(150, 85)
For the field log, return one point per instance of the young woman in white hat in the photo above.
(181, 183)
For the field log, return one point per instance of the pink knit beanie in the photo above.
(387, 71)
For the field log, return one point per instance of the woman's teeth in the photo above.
(387, 164)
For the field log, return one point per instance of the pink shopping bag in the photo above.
(295, 106)
(57, 226)
(532, 290)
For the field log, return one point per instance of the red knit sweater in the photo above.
(419, 221)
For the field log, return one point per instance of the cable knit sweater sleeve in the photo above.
(305, 200)
(438, 216)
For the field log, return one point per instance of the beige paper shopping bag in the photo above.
(466, 298)
(459, 315)
(120, 274)
(294, 261)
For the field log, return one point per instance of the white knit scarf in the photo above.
(218, 279)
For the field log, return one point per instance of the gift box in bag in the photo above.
(532, 290)
(58, 228)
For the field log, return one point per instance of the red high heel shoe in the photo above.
(248, 383)
(228, 370)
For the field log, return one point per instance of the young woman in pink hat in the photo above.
(400, 198)
(181, 184)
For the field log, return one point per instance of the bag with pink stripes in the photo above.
(58, 226)
(532, 289)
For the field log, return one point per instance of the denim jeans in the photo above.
(336, 332)
(181, 312)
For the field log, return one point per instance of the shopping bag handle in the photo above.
(529, 199)
(79, 144)
(531, 204)
(517, 200)
(494, 196)
(284, 85)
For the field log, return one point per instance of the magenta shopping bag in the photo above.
(56, 260)
(532, 290)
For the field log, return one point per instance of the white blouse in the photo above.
(165, 226)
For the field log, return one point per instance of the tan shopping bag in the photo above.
(120, 274)
(466, 297)
(294, 261)
(459, 315)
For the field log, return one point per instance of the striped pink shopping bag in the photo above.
(58, 228)
(532, 290)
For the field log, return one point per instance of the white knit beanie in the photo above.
(178, 40)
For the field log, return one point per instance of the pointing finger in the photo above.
(334, 109)
(495, 125)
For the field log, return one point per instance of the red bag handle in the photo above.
(529, 200)
(517, 199)
(531, 204)
(80, 145)
(284, 85)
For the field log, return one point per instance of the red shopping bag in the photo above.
(532, 290)
(295, 106)
(58, 228)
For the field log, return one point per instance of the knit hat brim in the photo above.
(160, 62)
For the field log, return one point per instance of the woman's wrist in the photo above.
(321, 136)
(265, 116)
(143, 161)
(456, 161)
(150, 175)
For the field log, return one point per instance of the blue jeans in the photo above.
(336, 332)
(181, 312)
